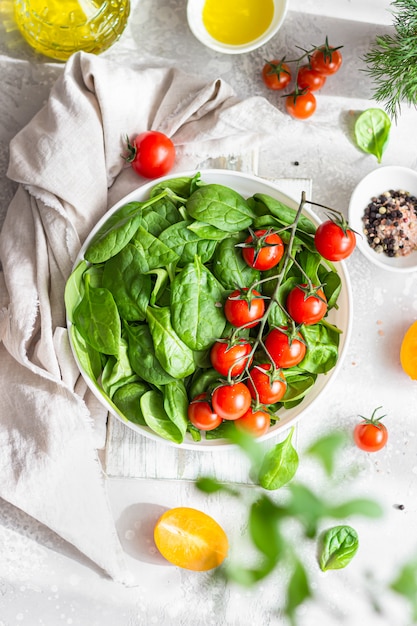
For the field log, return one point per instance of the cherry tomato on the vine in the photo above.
(231, 401)
(255, 422)
(276, 74)
(334, 241)
(285, 350)
(302, 105)
(326, 60)
(307, 78)
(263, 249)
(151, 154)
(201, 414)
(266, 384)
(305, 308)
(231, 359)
(243, 309)
(371, 435)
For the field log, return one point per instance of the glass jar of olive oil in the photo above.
(58, 28)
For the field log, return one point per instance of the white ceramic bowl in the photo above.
(246, 185)
(375, 183)
(197, 27)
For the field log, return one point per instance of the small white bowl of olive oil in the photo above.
(235, 26)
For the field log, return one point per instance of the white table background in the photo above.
(43, 581)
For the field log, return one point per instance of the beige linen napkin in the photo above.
(69, 169)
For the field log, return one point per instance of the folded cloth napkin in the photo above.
(69, 169)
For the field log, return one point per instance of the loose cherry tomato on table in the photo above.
(201, 414)
(285, 347)
(151, 154)
(334, 240)
(244, 308)
(306, 305)
(301, 105)
(231, 401)
(263, 249)
(371, 435)
(307, 78)
(326, 60)
(230, 358)
(276, 74)
(266, 384)
(255, 422)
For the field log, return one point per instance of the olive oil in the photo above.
(58, 28)
(237, 22)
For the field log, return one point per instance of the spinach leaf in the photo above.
(74, 289)
(89, 359)
(142, 356)
(130, 288)
(127, 400)
(152, 253)
(286, 215)
(155, 416)
(229, 267)
(298, 384)
(159, 216)
(207, 231)
(279, 464)
(117, 371)
(187, 244)
(203, 381)
(322, 348)
(405, 584)
(220, 206)
(181, 186)
(115, 233)
(196, 298)
(332, 285)
(176, 404)
(339, 545)
(173, 354)
(298, 591)
(372, 129)
(97, 319)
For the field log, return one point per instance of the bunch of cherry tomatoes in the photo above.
(322, 62)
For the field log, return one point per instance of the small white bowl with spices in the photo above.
(383, 211)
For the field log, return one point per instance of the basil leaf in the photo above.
(279, 465)
(338, 547)
(372, 130)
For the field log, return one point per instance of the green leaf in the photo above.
(155, 416)
(298, 591)
(279, 465)
(221, 207)
(327, 448)
(339, 545)
(372, 130)
(173, 354)
(406, 585)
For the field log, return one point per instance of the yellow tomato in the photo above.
(408, 352)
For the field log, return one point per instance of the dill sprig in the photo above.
(392, 60)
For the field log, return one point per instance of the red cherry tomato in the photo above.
(276, 74)
(265, 385)
(231, 401)
(151, 154)
(333, 241)
(307, 78)
(285, 351)
(201, 415)
(254, 422)
(326, 60)
(371, 435)
(264, 250)
(304, 308)
(230, 359)
(243, 311)
(301, 106)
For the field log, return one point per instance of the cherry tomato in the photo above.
(326, 60)
(263, 250)
(285, 351)
(266, 385)
(307, 78)
(231, 401)
(334, 241)
(256, 423)
(301, 106)
(371, 435)
(241, 310)
(151, 154)
(227, 358)
(304, 308)
(276, 74)
(201, 415)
